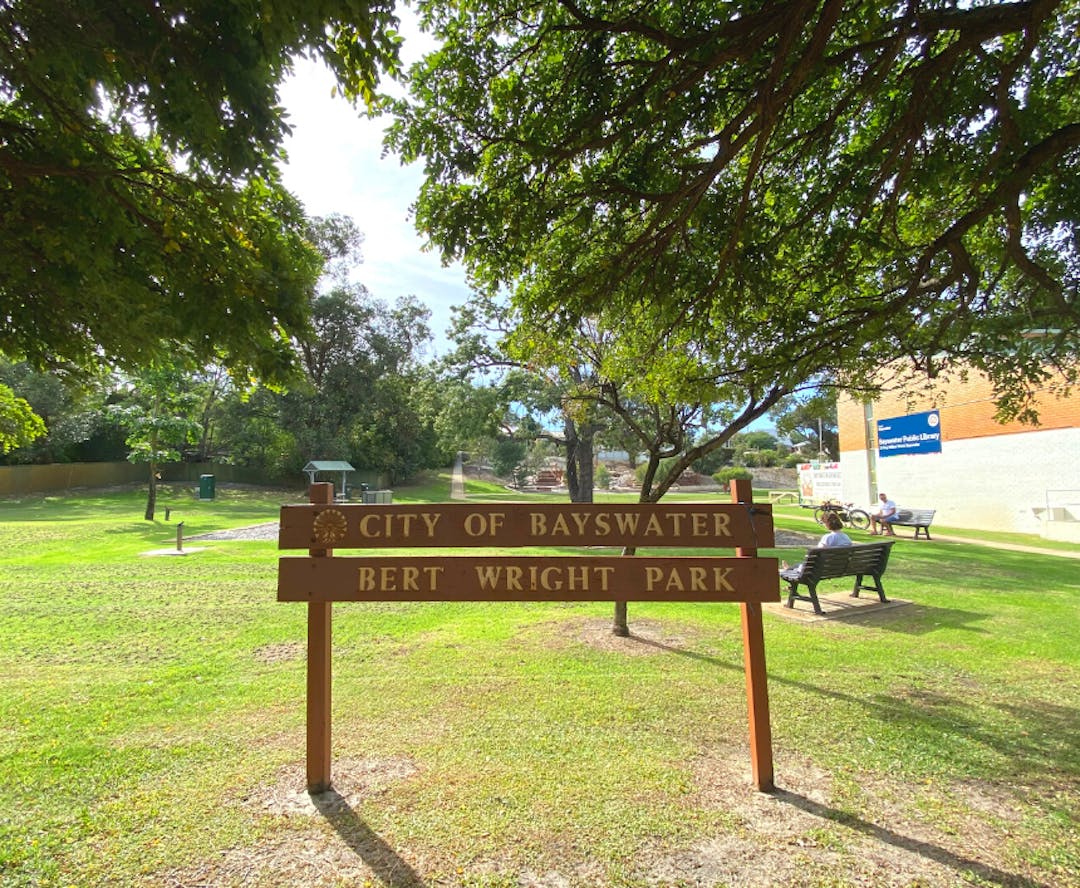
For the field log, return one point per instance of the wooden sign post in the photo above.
(320, 579)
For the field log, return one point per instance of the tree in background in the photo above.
(138, 152)
(517, 396)
(755, 448)
(158, 415)
(832, 185)
(811, 419)
(75, 422)
(19, 425)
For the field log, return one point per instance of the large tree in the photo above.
(141, 208)
(811, 419)
(829, 183)
(515, 394)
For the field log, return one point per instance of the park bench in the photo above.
(918, 518)
(862, 560)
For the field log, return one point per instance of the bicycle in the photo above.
(846, 512)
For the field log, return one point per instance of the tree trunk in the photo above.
(579, 461)
(620, 625)
(585, 462)
(573, 479)
(151, 495)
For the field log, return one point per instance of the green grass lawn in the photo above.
(152, 723)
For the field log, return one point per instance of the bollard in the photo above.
(167, 511)
(180, 537)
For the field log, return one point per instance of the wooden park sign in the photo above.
(320, 578)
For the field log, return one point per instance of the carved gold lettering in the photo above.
(537, 524)
(699, 524)
(674, 581)
(653, 575)
(479, 524)
(697, 579)
(627, 522)
(513, 578)
(605, 575)
(366, 524)
(722, 524)
(365, 579)
(720, 575)
(559, 527)
(581, 521)
(548, 584)
(488, 576)
(603, 523)
(577, 579)
(430, 519)
(653, 527)
(693, 579)
(475, 524)
(388, 577)
(409, 576)
(433, 574)
(676, 522)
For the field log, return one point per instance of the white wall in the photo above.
(992, 483)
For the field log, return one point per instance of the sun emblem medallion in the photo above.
(329, 527)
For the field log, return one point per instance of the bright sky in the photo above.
(336, 166)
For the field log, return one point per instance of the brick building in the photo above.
(979, 473)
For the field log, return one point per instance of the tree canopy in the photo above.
(828, 184)
(141, 206)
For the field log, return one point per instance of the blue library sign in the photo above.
(914, 433)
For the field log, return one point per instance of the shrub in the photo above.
(602, 477)
(732, 473)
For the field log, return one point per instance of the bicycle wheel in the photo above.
(819, 514)
(858, 519)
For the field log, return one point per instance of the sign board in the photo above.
(905, 435)
(319, 577)
(353, 526)
(520, 578)
(819, 481)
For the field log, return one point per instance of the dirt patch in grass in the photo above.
(876, 832)
(354, 781)
(317, 840)
(281, 652)
(647, 637)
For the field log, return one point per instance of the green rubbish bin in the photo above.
(206, 487)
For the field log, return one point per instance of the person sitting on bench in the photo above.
(835, 537)
(883, 517)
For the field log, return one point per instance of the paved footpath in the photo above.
(457, 479)
(992, 544)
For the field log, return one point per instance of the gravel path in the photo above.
(266, 531)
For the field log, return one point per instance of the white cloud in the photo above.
(335, 165)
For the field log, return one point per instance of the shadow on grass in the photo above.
(918, 619)
(1033, 737)
(383, 860)
(964, 866)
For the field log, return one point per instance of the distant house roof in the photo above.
(328, 465)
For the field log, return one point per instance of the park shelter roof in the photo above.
(331, 465)
(328, 465)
